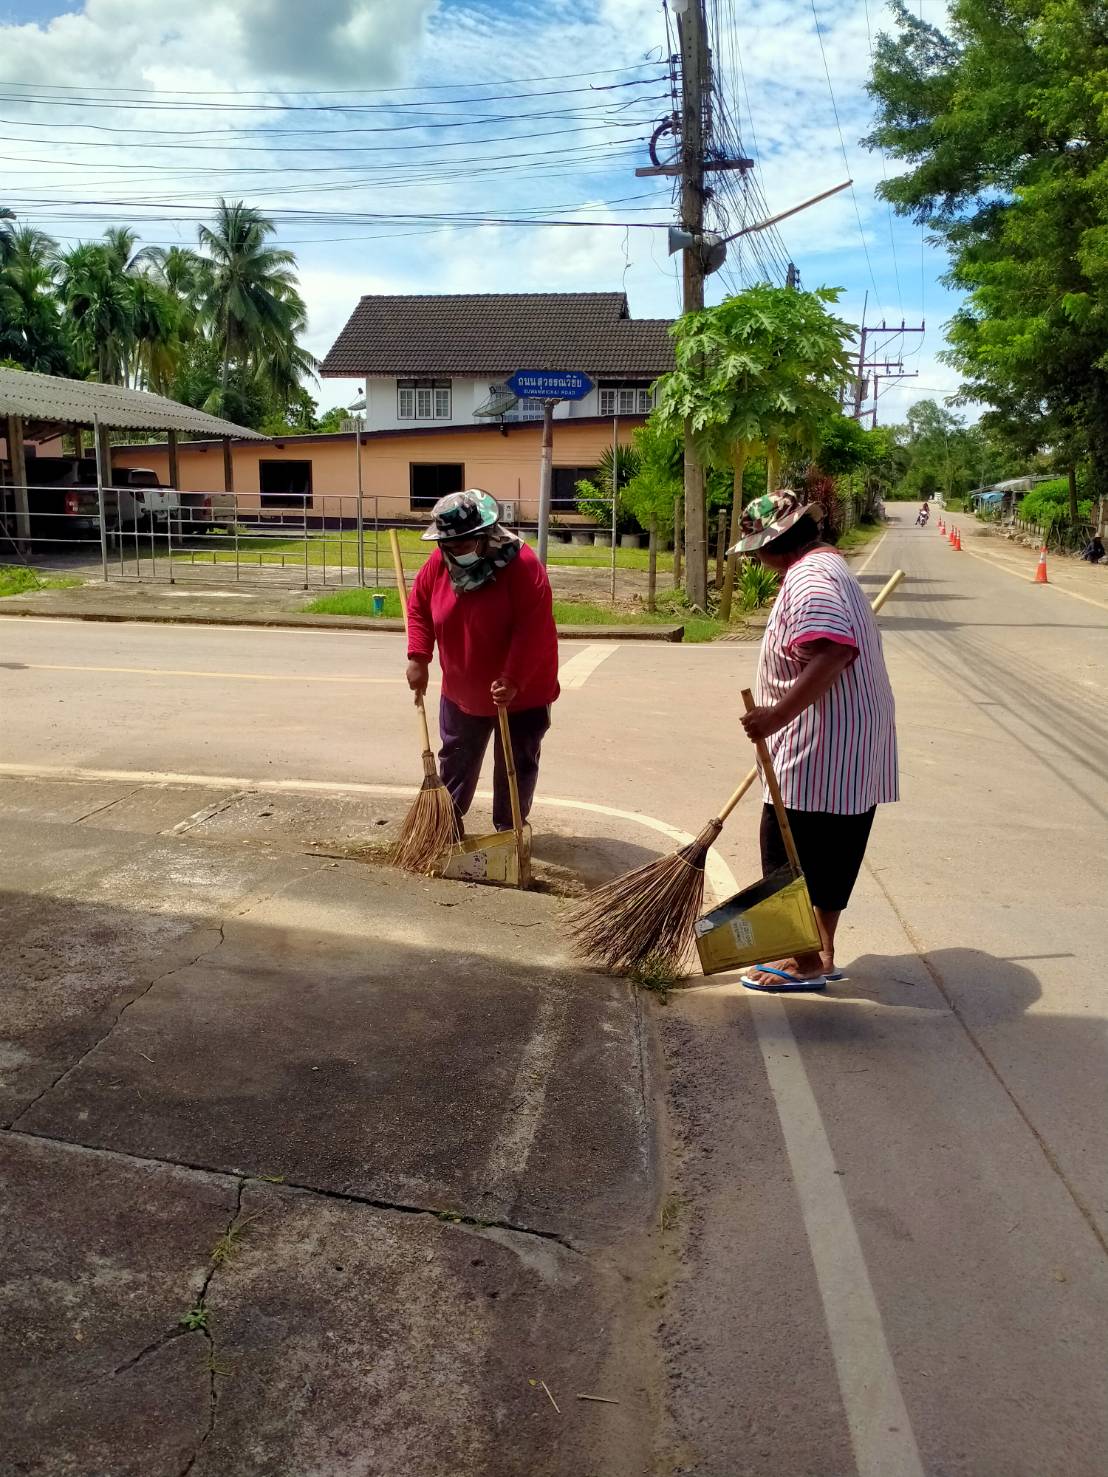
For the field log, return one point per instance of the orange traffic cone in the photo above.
(1040, 570)
(958, 539)
(950, 537)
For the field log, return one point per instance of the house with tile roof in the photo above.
(442, 360)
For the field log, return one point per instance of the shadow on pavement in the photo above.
(363, 1134)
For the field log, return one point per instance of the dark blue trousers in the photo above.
(465, 737)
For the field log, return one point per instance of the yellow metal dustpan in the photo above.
(503, 858)
(771, 919)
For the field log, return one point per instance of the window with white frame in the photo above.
(626, 399)
(423, 400)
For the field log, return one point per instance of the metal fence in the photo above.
(286, 540)
(302, 542)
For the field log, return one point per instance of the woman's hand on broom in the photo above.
(503, 692)
(761, 722)
(417, 675)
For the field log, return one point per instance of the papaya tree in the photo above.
(760, 372)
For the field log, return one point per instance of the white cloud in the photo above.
(219, 43)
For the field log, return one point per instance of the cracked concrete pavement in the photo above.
(391, 1159)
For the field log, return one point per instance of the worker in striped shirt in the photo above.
(825, 709)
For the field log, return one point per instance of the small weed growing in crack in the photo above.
(271, 1179)
(656, 975)
(228, 1243)
(195, 1320)
(673, 1208)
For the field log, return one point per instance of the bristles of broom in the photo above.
(431, 825)
(648, 914)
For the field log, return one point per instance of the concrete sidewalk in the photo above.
(308, 1166)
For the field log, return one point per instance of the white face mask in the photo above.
(464, 560)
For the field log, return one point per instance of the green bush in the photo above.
(757, 585)
(1050, 503)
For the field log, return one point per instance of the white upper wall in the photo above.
(466, 395)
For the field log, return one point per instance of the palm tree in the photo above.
(250, 302)
(99, 299)
(31, 329)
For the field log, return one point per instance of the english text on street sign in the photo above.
(549, 384)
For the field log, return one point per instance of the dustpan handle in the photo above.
(402, 591)
(774, 789)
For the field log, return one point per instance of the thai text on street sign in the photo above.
(549, 384)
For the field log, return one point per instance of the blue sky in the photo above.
(375, 132)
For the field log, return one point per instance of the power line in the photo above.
(353, 91)
(842, 145)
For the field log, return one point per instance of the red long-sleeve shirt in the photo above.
(504, 629)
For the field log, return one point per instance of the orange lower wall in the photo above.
(505, 465)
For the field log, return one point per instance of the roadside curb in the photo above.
(11, 607)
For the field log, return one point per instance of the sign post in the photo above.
(549, 386)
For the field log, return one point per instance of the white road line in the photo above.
(509, 1154)
(577, 671)
(871, 556)
(882, 1437)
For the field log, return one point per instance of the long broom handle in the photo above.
(774, 789)
(513, 783)
(878, 600)
(402, 591)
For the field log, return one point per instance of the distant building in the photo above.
(439, 360)
(438, 416)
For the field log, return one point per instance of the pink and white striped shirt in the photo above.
(839, 755)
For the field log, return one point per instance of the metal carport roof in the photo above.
(47, 397)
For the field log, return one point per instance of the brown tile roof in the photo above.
(496, 333)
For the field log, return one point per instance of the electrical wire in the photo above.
(356, 91)
(842, 145)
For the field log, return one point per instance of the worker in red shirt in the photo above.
(484, 600)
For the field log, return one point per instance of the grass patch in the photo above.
(339, 550)
(566, 613)
(858, 536)
(17, 579)
(354, 602)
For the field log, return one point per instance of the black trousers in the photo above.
(830, 847)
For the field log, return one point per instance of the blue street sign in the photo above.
(547, 384)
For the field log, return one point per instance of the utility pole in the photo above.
(889, 369)
(695, 87)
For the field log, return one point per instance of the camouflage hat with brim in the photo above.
(768, 517)
(461, 515)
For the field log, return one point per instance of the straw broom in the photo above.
(646, 918)
(431, 826)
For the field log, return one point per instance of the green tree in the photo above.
(1002, 123)
(99, 303)
(251, 306)
(760, 373)
(32, 332)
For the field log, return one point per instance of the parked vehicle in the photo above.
(63, 503)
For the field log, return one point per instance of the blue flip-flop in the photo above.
(790, 983)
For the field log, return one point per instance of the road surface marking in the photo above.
(577, 671)
(882, 1437)
(871, 555)
(1029, 579)
(237, 676)
(508, 1157)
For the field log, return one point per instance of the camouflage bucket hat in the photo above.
(768, 517)
(461, 515)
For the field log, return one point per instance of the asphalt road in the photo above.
(898, 1196)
